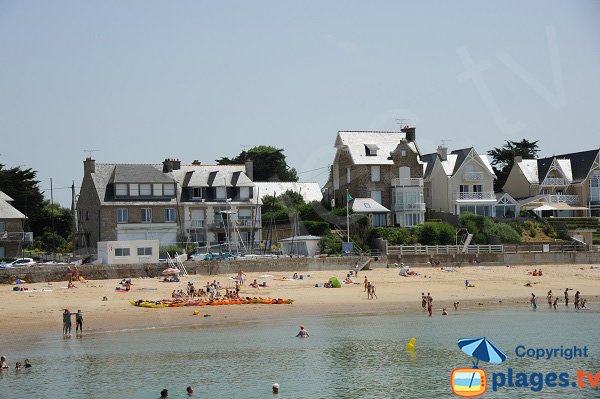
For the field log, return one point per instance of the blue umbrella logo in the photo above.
(481, 349)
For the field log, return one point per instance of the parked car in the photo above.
(18, 263)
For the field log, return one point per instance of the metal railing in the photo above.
(555, 181)
(567, 199)
(472, 176)
(482, 195)
(21, 236)
(444, 249)
(197, 224)
(406, 181)
(403, 206)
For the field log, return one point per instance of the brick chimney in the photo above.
(442, 151)
(170, 165)
(89, 166)
(410, 133)
(250, 169)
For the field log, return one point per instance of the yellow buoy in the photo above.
(196, 312)
(410, 347)
(413, 341)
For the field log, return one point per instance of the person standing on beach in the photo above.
(66, 322)
(373, 294)
(533, 301)
(577, 296)
(429, 304)
(549, 296)
(78, 322)
(241, 275)
(466, 284)
(423, 300)
(555, 302)
(566, 297)
(366, 284)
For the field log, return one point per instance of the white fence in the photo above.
(443, 249)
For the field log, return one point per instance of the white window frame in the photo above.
(157, 190)
(145, 190)
(244, 193)
(170, 215)
(121, 252)
(121, 190)
(144, 251)
(134, 190)
(221, 193)
(375, 173)
(201, 190)
(147, 212)
(169, 190)
(122, 215)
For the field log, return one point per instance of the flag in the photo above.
(349, 197)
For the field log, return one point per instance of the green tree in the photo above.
(269, 163)
(503, 158)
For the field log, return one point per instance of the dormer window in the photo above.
(198, 192)
(121, 190)
(146, 190)
(169, 190)
(371, 150)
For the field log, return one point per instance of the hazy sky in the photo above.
(140, 81)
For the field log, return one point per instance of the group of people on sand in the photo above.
(369, 289)
(18, 365)
(67, 322)
(580, 303)
(427, 303)
(537, 273)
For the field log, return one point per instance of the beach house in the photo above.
(168, 202)
(382, 172)
(566, 185)
(12, 236)
(462, 181)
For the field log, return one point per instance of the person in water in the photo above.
(190, 391)
(66, 322)
(164, 393)
(302, 333)
(78, 322)
(275, 389)
(533, 301)
(27, 364)
(3, 362)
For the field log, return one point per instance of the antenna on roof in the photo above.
(90, 152)
(403, 122)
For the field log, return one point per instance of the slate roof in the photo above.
(453, 161)
(309, 191)
(126, 173)
(7, 211)
(357, 143)
(5, 197)
(576, 166)
(367, 205)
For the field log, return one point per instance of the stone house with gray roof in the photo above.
(383, 166)
(566, 185)
(208, 205)
(12, 236)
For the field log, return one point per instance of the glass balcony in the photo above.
(416, 206)
(407, 182)
(474, 196)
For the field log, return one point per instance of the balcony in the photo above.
(407, 182)
(197, 224)
(555, 181)
(403, 207)
(475, 196)
(567, 199)
(18, 236)
(472, 176)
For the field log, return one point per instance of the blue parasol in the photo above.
(481, 349)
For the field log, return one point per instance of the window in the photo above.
(244, 193)
(146, 215)
(375, 173)
(134, 190)
(412, 219)
(169, 214)
(198, 192)
(403, 153)
(379, 220)
(122, 215)
(245, 217)
(2, 252)
(221, 193)
(146, 190)
(121, 190)
(376, 195)
(157, 190)
(595, 187)
(348, 175)
(371, 150)
(2, 227)
(169, 190)
(122, 251)
(464, 188)
(144, 251)
(476, 188)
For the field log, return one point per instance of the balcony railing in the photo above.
(407, 182)
(482, 195)
(197, 224)
(567, 199)
(417, 206)
(20, 236)
(555, 181)
(472, 176)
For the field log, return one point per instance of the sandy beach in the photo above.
(38, 311)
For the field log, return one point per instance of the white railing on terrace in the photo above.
(197, 224)
(405, 181)
(472, 176)
(555, 181)
(16, 236)
(243, 222)
(484, 195)
(418, 206)
(443, 249)
(567, 199)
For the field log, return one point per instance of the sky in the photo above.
(141, 81)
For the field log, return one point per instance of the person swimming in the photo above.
(302, 333)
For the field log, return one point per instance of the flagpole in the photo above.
(347, 215)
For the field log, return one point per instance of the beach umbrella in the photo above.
(481, 349)
(171, 270)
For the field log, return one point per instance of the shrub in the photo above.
(330, 244)
(316, 228)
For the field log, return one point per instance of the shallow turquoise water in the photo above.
(345, 357)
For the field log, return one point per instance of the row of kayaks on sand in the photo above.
(165, 303)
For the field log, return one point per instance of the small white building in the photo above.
(128, 252)
(300, 245)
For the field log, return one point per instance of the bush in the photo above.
(171, 250)
(330, 244)
(316, 228)
(486, 231)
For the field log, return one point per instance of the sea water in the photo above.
(361, 356)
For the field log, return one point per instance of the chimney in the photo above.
(518, 159)
(170, 165)
(196, 162)
(442, 150)
(89, 166)
(410, 132)
(250, 169)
